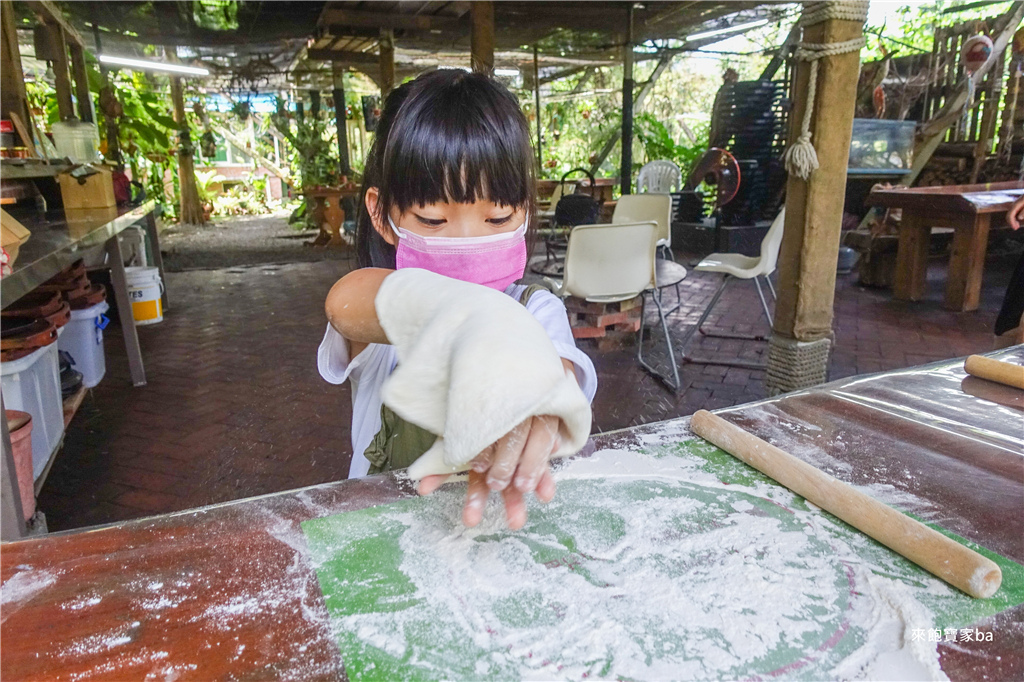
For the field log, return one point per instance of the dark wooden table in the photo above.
(969, 210)
(228, 592)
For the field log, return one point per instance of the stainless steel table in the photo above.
(58, 240)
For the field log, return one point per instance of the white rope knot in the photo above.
(800, 158)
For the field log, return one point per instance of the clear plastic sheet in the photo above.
(229, 591)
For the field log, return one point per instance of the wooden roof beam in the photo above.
(49, 13)
(347, 18)
(355, 58)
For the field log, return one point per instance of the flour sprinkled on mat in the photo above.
(643, 567)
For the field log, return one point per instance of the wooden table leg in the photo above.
(911, 258)
(124, 311)
(149, 222)
(334, 216)
(967, 263)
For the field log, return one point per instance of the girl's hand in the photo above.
(515, 465)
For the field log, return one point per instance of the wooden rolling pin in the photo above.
(958, 565)
(998, 371)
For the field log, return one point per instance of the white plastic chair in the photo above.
(736, 266)
(616, 262)
(637, 208)
(659, 176)
(609, 263)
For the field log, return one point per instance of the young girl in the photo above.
(448, 187)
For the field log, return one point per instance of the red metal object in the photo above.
(720, 169)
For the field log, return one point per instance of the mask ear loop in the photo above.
(396, 229)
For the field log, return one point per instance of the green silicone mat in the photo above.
(703, 568)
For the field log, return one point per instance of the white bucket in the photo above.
(133, 246)
(32, 384)
(83, 340)
(144, 290)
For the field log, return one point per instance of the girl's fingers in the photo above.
(482, 462)
(429, 484)
(506, 456)
(546, 487)
(515, 507)
(476, 499)
(541, 442)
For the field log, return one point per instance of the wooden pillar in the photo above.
(107, 94)
(314, 104)
(191, 212)
(626, 168)
(57, 52)
(801, 337)
(340, 120)
(387, 62)
(536, 107)
(12, 78)
(481, 39)
(81, 75)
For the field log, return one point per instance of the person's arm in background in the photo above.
(1016, 213)
(1009, 328)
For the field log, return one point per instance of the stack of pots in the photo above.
(30, 367)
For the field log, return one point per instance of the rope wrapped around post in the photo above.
(800, 158)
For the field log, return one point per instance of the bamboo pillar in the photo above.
(626, 168)
(481, 39)
(387, 62)
(12, 77)
(338, 75)
(81, 75)
(801, 339)
(191, 208)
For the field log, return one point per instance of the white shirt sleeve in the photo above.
(549, 310)
(332, 357)
(366, 372)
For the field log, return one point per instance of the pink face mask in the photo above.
(494, 261)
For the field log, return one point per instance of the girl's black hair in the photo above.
(448, 135)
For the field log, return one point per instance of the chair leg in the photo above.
(764, 304)
(771, 287)
(700, 324)
(674, 382)
(745, 337)
(704, 316)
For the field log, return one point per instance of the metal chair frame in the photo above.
(672, 383)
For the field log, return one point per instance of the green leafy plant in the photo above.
(657, 143)
(318, 167)
(206, 182)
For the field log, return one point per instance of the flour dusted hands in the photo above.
(525, 452)
(473, 364)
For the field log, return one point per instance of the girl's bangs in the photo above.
(467, 142)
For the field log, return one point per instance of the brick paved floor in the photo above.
(234, 406)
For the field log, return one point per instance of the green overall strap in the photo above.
(399, 443)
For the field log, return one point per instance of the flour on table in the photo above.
(21, 588)
(643, 567)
